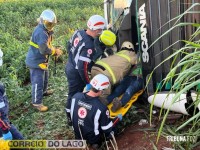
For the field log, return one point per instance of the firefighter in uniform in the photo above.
(116, 66)
(7, 130)
(90, 117)
(37, 57)
(81, 51)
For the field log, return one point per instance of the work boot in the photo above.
(40, 107)
(48, 92)
(116, 104)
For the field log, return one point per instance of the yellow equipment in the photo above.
(123, 110)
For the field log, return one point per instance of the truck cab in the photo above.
(153, 27)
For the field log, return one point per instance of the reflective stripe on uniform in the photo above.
(72, 107)
(35, 93)
(85, 59)
(96, 122)
(67, 110)
(76, 58)
(107, 67)
(37, 46)
(108, 126)
(124, 56)
(79, 36)
(2, 104)
(33, 44)
(73, 36)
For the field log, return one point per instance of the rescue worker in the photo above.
(81, 51)
(128, 86)
(7, 130)
(90, 117)
(37, 57)
(116, 66)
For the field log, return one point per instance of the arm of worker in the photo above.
(106, 123)
(44, 45)
(99, 49)
(117, 119)
(84, 62)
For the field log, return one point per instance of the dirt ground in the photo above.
(142, 137)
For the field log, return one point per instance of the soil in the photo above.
(141, 137)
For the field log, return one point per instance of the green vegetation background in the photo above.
(17, 21)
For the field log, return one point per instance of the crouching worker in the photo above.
(130, 85)
(115, 67)
(90, 117)
(7, 130)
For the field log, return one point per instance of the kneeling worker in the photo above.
(7, 130)
(90, 117)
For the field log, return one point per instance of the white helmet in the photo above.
(1, 58)
(48, 18)
(96, 22)
(127, 45)
(100, 82)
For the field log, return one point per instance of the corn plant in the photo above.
(185, 76)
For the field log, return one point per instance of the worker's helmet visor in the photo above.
(49, 25)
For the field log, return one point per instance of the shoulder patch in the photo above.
(76, 41)
(89, 51)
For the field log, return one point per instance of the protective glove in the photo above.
(88, 87)
(120, 117)
(7, 136)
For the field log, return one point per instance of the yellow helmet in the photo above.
(108, 38)
(127, 45)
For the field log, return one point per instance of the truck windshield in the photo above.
(119, 9)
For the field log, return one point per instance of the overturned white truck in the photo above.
(142, 22)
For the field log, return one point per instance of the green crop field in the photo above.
(17, 21)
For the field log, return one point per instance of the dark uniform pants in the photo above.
(75, 82)
(15, 133)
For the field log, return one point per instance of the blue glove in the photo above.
(88, 87)
(7, 136)
(119, 116)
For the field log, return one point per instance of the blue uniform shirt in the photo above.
(81, 51)
(42, 38)
(91, 116)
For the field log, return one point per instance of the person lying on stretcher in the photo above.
(116, 66)
(119, 65)
(128, 86)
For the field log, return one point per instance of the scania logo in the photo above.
(143, 30)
